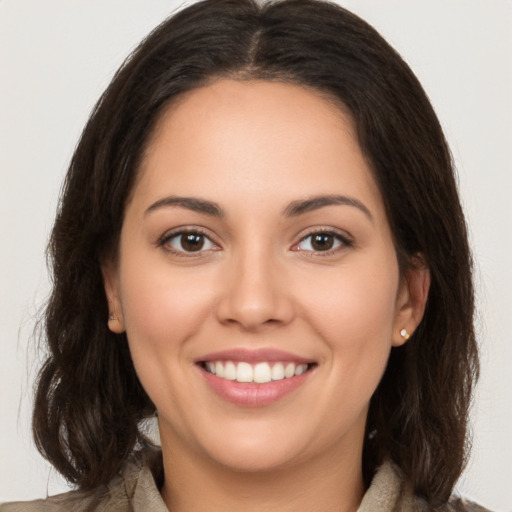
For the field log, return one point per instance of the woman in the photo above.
(260, 238)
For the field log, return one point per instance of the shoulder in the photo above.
(101, 499)
(461, 505)
(72, 500)
(455, 504)
(135, 487)
(112, 497)
(389, 481)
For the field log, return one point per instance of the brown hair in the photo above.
(89, 402)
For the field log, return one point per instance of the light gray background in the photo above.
(57, 56)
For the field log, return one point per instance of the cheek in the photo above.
(353, 311)
(162, 308)
(353, 303)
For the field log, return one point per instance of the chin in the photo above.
(256, 458)
(245, 447)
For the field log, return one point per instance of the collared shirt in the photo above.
(135, 489)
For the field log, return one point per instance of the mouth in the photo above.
(258, 373)
(254, 378)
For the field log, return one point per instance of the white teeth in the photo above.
(278, 371)
(259, 373)
(244, 372)
(262, 373)
(289, 371)
(230, 371)
(219, 369)
(301, 369)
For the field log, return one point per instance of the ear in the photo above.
(411, 301)
(111, 284)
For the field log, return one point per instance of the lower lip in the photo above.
(251, 394)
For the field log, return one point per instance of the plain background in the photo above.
(57, 56)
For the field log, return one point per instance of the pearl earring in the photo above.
(404, 334)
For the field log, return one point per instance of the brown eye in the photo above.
(188, 242)
(322, 241)
(191, 242)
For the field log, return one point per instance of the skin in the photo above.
(253, 148)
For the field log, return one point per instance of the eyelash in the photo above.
(168, 237)
(344, 242)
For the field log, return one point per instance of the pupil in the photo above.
(322, 242)
(192, 242)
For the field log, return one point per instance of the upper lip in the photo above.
(253, 356)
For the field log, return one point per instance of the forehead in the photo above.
(266, 139)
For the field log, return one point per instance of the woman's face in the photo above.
(256, 246)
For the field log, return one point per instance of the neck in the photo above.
(330, 483)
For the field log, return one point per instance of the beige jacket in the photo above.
(134, 490)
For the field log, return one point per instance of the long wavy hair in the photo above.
(89, 402)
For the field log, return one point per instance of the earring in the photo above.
(112, 317)
(404, 334)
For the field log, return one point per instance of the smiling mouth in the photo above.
(259, 373)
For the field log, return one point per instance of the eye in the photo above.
(322, 241)
(186, 242)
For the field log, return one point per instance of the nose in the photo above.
(255, 294)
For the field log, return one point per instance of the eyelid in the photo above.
(342, 236)
(184, 230)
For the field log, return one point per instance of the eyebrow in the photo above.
(299, 207)
(294, 209)
(190, 203)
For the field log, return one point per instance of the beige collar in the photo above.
(383, 495)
